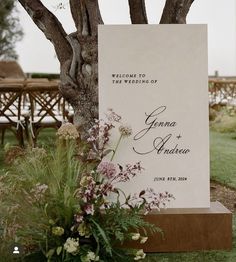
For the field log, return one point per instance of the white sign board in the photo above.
(155, 77)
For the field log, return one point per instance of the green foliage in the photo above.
(57, 204)
(54, 174)
(45, 75)
(117, 221)
(222, 167)
(10, 30)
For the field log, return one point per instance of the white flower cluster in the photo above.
(72, 245)
(91, 256)
(137, 236)
(67, 131)
(125, 130)
(139, 255)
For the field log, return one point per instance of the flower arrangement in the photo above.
(63, 204)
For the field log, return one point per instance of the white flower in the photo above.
(125, 130)
(135, 236)
(112, 116)
(139, 255)
(72, 245)
(67, 131)
(92, 257)
(143, 240)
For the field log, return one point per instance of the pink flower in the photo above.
(106, 188)
(78, 218)
(99, 135)
(112, 116)
(89, 209)
(107, 169)
(129, 171)
(150, 200)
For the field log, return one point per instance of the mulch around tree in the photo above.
(224, 194)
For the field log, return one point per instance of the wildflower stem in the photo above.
(123, 193)
(117, 145)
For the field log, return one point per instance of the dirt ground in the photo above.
(225, 195)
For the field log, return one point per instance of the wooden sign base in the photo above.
(190, 229)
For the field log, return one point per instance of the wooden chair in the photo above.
(47, 107)
(222, 92)
(10, 110)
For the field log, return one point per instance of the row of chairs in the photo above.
(26, 107)
(222, 92)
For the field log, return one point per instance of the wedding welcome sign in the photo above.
(155, 77)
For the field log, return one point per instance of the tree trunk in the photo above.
(175, 11)
(79, 81)
(78, 51)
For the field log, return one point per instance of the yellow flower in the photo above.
(57, 231)
(51, 222)
(84, 181)
(84, 230)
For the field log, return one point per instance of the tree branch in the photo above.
(94, 16)
(76, 61)
(175, 11)
(76, 11)
(50, 26)
(137, 11)
(86, 15)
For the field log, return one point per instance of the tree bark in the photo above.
(50, 26)
(175, 11)
(138, 12)
(78, 51)
(79, 77)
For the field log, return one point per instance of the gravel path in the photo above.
(225, 195)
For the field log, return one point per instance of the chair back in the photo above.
(10, 103)
(47, 106)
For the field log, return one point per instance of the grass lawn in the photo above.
(223, 158)
(46, 137)
(223, 170)
(222, 153)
